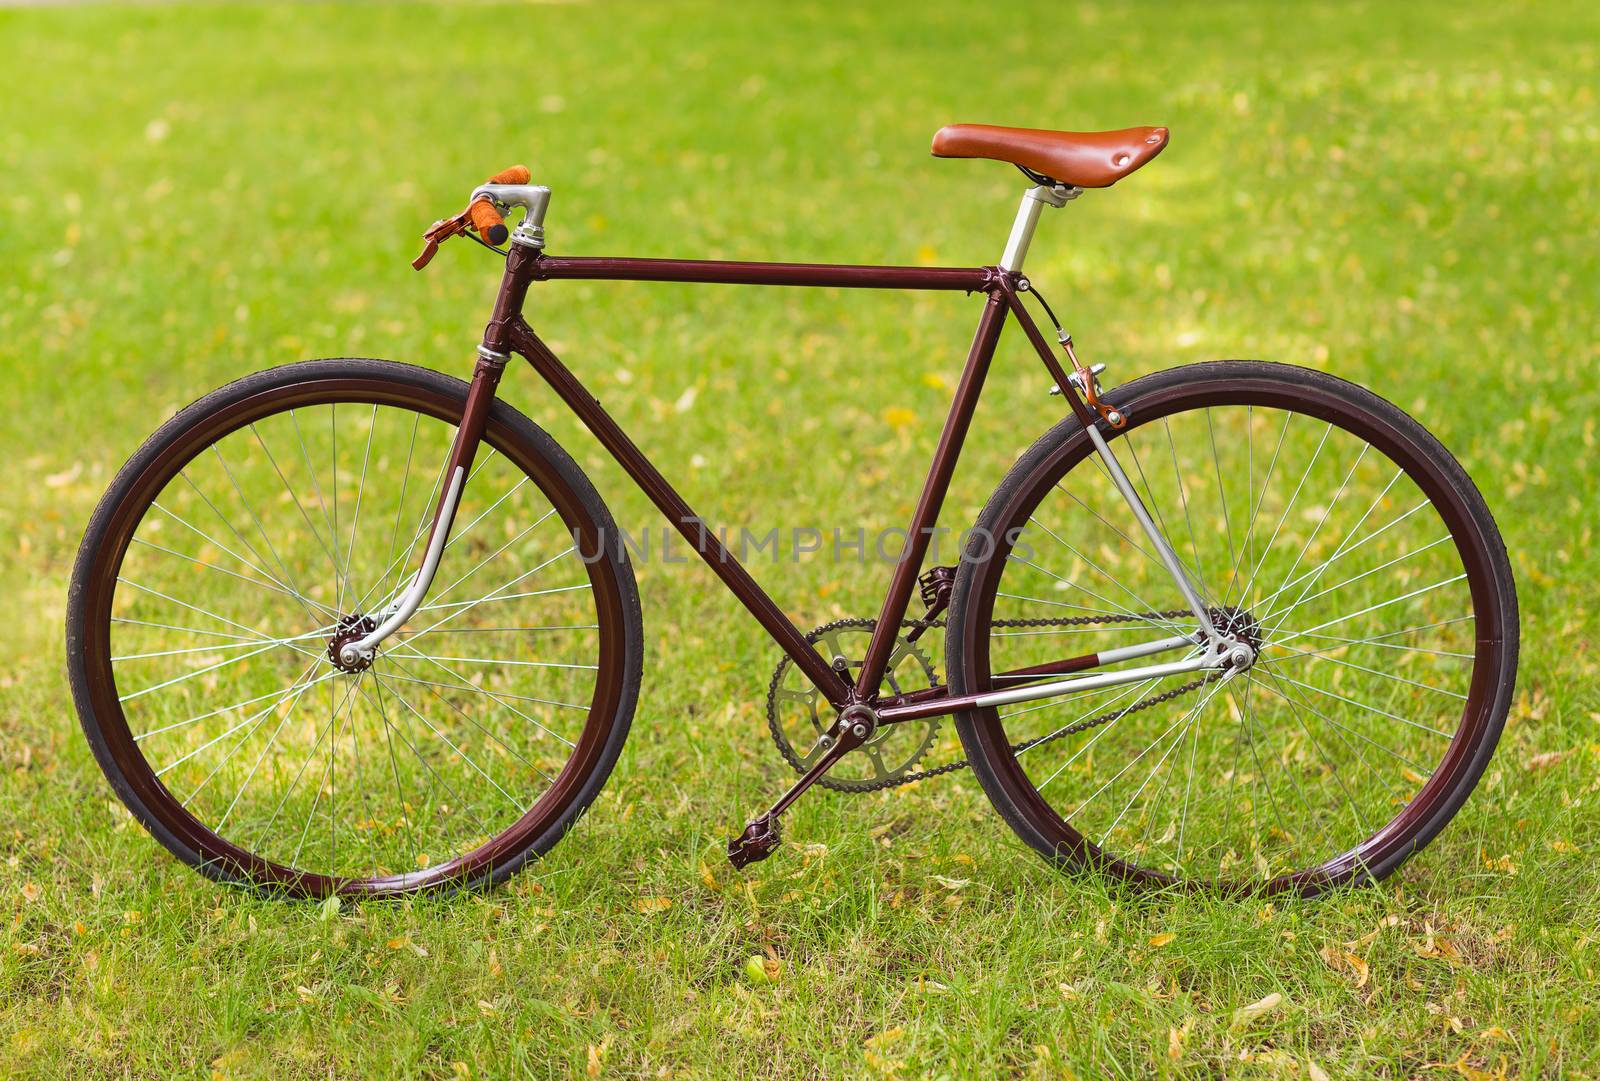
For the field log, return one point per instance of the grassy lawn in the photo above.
(1408, 196)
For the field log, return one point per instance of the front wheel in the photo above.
(276, 515)
(1322, 526)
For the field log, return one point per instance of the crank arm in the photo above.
(761, 836)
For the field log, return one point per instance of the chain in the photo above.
(1062, 733)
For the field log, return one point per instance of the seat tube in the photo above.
(923, 519)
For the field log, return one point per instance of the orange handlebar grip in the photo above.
(517, 174)
(486, 219)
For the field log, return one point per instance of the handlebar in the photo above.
(483, 215)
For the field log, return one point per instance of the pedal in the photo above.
(758, 841)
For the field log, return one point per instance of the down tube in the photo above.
(670, 503)
(933, 493)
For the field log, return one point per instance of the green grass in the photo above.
(1407, 197)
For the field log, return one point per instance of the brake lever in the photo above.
(437, 234)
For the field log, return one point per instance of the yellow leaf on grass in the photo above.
(652, 904)
(888, 1035)
(1244, 1015)
(1162, 939)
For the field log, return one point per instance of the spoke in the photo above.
(1266, 549)
(404, 562)
(333, 534)
(1375, 640)
(1283, 613)
(464, 684)
(496, 593)
(490, 509)
(288, 579)
(285, 591)
(228, 732)
(1374, 608)
(522, 664)
(1317, 655)
(1310, 577)
(394, 766)
(1294, 709)
(400, 505)
(1246, 545)
(512, 751)
(1093, 565)
(1295, 702)
(255, 637)
(1183, 496)
(1222, 498)
(202, 671)
(316, 800)
(1190, 717)
(315, 747)
(460, 753)
(278, 694)
(435, 774)
(208, 538)
(440, 595)
(1350, 731)
(310, 525)
(217, 649)
(361, 487)
(497, 695)
(300, 690)
(1131, 542)
(1360, 705)
(344, 577)
(1188, 784)
(1136, 758)
(262, 757)
(1192, 572)
(1340, 552)
(1102, 729)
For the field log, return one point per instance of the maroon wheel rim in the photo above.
(173, 822)
(1434, 802)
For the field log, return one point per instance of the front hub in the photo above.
(351, 628)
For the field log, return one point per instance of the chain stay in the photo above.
(1016, 748)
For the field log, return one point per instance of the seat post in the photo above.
(1034, 200)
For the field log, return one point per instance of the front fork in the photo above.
(474, 418)
(494, 352)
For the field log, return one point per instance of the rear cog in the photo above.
(795, 710)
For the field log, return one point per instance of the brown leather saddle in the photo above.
(1082, 159)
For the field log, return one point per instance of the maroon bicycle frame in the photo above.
(508, 332)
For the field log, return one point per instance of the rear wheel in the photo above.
(1318, 522)
(271, 518)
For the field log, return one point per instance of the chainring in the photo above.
(794, 711)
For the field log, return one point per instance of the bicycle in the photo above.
(286, 661)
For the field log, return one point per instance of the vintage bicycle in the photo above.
(355, 627)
